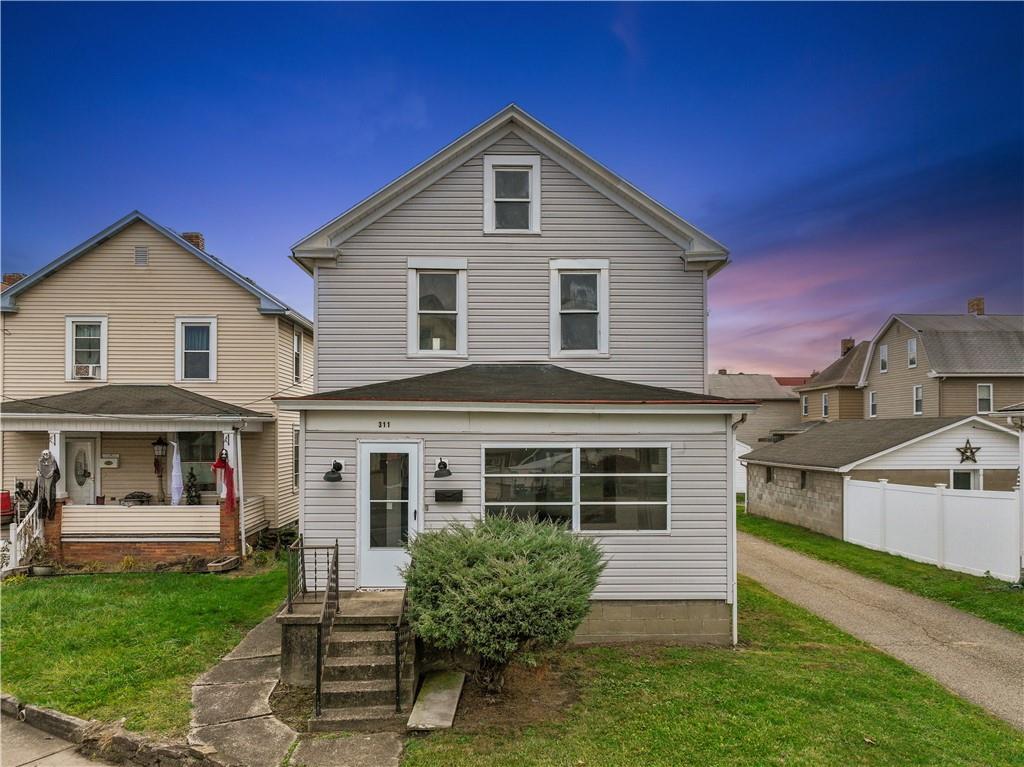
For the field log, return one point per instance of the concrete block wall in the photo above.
(818, 507)
(665, 620)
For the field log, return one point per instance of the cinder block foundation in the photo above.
(657, 620)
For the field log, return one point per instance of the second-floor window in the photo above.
(296, 355)
(512, 194)
(883, 358)
(195, 349)
(579, 307)
(918, 399)
(911, 352)
(437, 307)
(824, 405)
(805, 405)
(984, 398)
(86, 354)
(872, 404)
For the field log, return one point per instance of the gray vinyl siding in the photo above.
(688, 562)
(656, 328)
(772, 414)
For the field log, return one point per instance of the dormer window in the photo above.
(512, 194)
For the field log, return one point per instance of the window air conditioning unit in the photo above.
(87, 371)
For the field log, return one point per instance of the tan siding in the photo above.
(135, 467)
(959, 395)
(259, 466)
(19, 457)
(656, 333)
(895, 388)
(287, 494)
(770, 415)
(850, 403)
(150, 520)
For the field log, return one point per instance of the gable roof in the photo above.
(269, 304)
(845, 371)
(840, 445)
(324, 242)
(153, 400)
(516, 383)
(758, 386)
(963, 344)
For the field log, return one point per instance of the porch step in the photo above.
(356, 667)
(346, 643)
(359, 693)
(374, 718)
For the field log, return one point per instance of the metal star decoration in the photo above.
(968, 453)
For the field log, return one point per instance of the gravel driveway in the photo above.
(977, 660)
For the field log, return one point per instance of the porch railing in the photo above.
(308, 571)
(328, 609)
(29, 529)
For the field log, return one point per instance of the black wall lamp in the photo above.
(442, 469)
(334, 473)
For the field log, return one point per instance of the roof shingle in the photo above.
(159, 400)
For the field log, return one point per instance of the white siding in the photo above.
(688, 562)
(998, 450)
(656, 306)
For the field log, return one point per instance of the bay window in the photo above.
(586, 488)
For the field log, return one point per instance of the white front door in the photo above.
(389, 509)
(80, 470)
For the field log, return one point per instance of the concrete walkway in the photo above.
(977, 660)
(22, 745)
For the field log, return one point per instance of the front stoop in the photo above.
(359, 671)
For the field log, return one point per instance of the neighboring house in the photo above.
(780, 406)
(800, 480)
(139, 336)
(921, 365)
(494, 337)
(832, 394)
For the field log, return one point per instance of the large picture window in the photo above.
(602, 489)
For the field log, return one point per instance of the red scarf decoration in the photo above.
(228, 476)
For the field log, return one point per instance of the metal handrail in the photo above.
(398, 653)
(308, 572)
(324, 627)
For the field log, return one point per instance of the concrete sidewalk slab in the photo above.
(260, 669)
(380, 749)
(22, 745)
(973, 658)
(219, 703)
(260, 742)
(437, 701)
(263, 640)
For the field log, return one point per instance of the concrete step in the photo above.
(372, 718)
(358, 693)
(346, 643)
(355, 667)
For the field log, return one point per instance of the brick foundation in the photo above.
(818, 507)
(696, 621)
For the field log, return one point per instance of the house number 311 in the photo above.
(383, 424)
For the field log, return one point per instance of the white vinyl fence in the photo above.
(972, 531)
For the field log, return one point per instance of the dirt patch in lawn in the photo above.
(292, 705)
(532, 695)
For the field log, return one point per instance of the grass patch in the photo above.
(988, 598)
(112, 646)
(797, 692)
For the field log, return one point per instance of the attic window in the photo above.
(141, 255)
(512, 194)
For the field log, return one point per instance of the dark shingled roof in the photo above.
(748, 386)
(845, 371)
(518, 383)
(968, 343)
(836, 444)
(160, 400)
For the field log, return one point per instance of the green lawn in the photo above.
(797, 692)
(987, 598)
(111, 646)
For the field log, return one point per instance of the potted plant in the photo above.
(40, 557)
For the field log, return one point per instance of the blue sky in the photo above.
(856, 159)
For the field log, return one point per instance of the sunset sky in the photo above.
(858, 160)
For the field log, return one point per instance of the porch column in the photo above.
(56, 446)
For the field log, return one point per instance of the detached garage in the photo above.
(800, 480)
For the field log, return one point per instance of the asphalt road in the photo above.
(973, 658)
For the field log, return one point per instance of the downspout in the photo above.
(241, 490)
(731, 526)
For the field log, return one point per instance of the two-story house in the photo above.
(511, 328)
(833, 394)
(136, 352)
(779, 410)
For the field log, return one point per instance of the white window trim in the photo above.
(297, 340)
(977, 478)
(805, 405)
(872, 404)
(911, 343)
(913, 399)
(576, 503)
(529, 162)
(179, 350)
(439, 264)
(559, 265)
(296, 448)
(70, 321)
(991, 399)
(826, 405)
(883, 358)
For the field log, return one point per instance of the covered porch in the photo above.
(116, 447)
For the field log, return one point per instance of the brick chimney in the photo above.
(10, 279)
(976, 305)
(845, 346)
(195, 239)
(722, 371)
